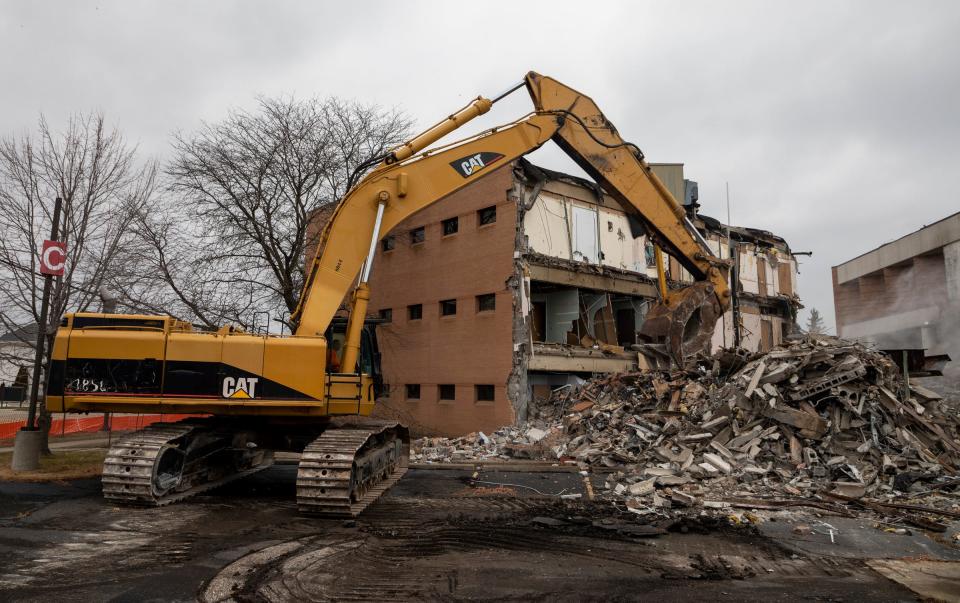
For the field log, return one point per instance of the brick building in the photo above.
(529, 279)
(905, 294)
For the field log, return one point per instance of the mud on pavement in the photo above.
(433, 537)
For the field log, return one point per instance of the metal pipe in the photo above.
(661, 273)
(699, 237)
(361, 297)
(368, 263)
(508, 92)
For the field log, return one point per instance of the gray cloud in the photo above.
(835, 124)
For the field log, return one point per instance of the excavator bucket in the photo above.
(683, 324)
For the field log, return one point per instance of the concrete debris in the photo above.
(643, 488)
(534, 435)
(816, 416)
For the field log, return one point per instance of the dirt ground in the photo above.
(63, 465)
(432, 537)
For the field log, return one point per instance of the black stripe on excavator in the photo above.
(153, 324)
(99, 376)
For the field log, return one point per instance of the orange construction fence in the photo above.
(90, 424)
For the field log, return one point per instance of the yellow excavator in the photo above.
(266, 393)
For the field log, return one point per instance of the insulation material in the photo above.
(546, 227)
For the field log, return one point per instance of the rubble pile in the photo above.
(822, 414)
(818, 415)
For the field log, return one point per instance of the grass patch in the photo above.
(61, 465)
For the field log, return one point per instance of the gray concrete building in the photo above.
(906, 293)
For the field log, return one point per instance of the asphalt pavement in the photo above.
(434, 536)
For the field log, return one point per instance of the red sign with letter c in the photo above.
(53, 258)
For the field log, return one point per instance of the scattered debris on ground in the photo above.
(821, 422)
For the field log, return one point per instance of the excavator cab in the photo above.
(368, 361)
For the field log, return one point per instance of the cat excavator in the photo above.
(251, 395)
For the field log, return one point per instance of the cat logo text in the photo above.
(240, 387)
(471, 164)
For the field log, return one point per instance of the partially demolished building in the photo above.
(529, 279)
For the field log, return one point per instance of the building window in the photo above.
(447, 391)
(487, 302)
(415, 312)
(388, 243)
(386, 314)
(485, 393)
(448, 307)
(413, 391)
(418, 235)
(487, 215)
(651, 255)
(450, 226)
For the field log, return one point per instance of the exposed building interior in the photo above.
(565, 284)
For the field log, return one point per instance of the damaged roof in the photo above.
(762, 238)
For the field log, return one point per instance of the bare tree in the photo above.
(232, 239)
(169, 271)
(103, 189)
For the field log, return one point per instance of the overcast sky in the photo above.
(835, 123)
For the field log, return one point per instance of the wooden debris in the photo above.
(757, 373)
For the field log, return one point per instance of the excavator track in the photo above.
(347, 468)
(133, 472)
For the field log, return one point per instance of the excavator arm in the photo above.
(409, 179)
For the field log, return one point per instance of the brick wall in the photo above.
(466, 349)
(921, 283)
